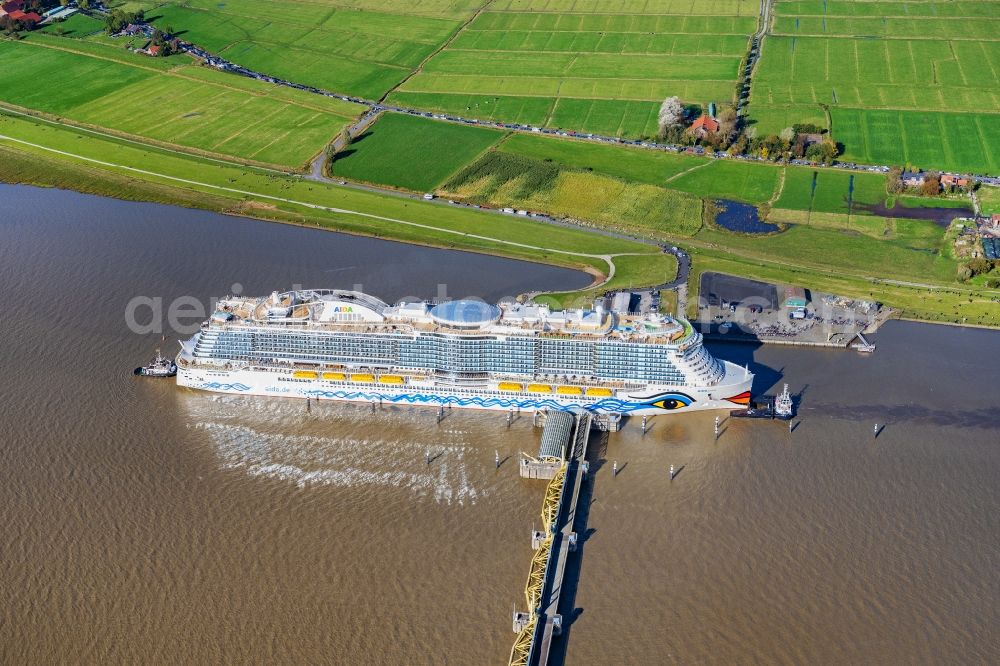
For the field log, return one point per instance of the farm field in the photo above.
(207, 116)
(639, 165)
(725, 179)
(357, 48)
(266, 195)
(914, 83)
(989, 200)
(77, 25)
(501, 179)
(913, 251)
(830, 191)
(601, 66)
(412, 152)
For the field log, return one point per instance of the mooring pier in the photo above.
(562, 460)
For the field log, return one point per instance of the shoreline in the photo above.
(28, 167)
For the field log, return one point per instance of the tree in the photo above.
(788, 135)
(671, 114)
(345, 138)
(728, 120)
(931, 186)
(825, 151)
(894, 181)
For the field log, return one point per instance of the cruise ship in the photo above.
(329, 344)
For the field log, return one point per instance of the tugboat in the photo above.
(784, 408)
(158, 367)
(777, 407)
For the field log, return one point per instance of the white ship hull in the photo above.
(732, 392)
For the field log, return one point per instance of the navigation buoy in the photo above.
(672, 472)
(497, 458)
(614, 469)
(875, 432)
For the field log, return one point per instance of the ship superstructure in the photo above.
(347, 345)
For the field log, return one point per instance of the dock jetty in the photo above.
(562, 460)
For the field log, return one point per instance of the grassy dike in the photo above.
(42, 154)
(150, 173)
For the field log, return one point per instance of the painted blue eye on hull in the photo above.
(671, 401)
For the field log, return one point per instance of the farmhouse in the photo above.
(947, 180)
(912, 178)
(24, 17)
(704, 126)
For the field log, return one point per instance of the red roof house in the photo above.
(705, 125)
(29, 17)
(153, 50)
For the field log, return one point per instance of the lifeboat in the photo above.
(390, 379)
(362, 378)
(510, 386)
(599, 391)
(335, 376)
(539, 388)
(569, 390)
(305, 374)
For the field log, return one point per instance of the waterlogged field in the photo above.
(203, 111)
(359, 48)
(905, 82)
(601, 66)
(412, 152)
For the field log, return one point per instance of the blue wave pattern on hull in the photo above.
(216, 386)
(610, 404)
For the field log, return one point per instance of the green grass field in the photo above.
(504, 179)
(600, 66)
(412, 152)
(77, 26)
(907, 83)
(630, 272)
(724, 179)
(203, 113)
(640, 165)
(830, 191)
(288, 198)
(989, 200)
(358, 48)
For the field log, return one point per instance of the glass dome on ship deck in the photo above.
(465, 314)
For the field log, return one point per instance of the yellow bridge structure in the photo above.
(552, 545)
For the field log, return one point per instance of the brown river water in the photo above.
(146, 524)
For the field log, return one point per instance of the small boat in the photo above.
(158, 367)
(779, 407)
(784, 408)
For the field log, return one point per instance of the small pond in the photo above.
(741, 218)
